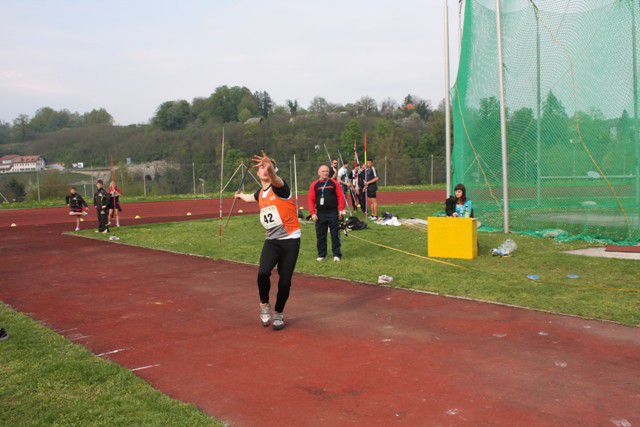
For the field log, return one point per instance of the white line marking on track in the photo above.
(144, 367)
(111, 352)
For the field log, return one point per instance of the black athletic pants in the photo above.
(363, 201)
(328, 219)
(284, 254)
(103, 219)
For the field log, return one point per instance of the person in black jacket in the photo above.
(101, 202)
(77, 206)
(326, 204)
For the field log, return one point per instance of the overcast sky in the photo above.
(130, 56)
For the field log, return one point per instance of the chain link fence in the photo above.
(165, 178)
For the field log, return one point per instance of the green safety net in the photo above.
(571, 96)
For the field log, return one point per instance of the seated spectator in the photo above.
(458, 205)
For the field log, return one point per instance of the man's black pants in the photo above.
(328, 219)
(103, 219)
(362, 198)
(284, 254)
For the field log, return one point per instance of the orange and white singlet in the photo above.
(278, 216)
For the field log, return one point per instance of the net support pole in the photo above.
(447, 100)
(221, 184)
(538, 115)
(634, 56)
(503, 122)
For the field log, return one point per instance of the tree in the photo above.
(5, 133)
(15, 190)
(625, 128)
(366, 106)
(408, 102)
(244, 115)
(319, 105)
(264, 102)
(351, 133)
(47, 119)
(172, 115)
(423, 108)
(97, 117)
(21, 127)
(225, 102)
(292, 106)
(554, 121)
(388, 107)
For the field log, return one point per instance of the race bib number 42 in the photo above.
(269, 217)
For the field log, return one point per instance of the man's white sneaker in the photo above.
(278, 321)
(265, 314)
(336, 259)
(320, 258)
(77, 228)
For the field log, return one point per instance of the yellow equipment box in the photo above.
(449, 237)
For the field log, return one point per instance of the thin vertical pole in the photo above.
(290, 172)
(538, 115)
(193, 173)
(122, 179)
(447, 99)
(503, 122)
(634, 56)
(432, 169)
(144, 183)
(38, 181)
(221, 183)
(295, 181)
(385, 171)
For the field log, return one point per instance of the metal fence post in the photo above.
(144, 183)
(432, 169)
(193, 170)
(385, 171)
(38, 183)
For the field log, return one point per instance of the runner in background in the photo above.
(114, 203)
(77, 206)
(371, 187)
(345, 183)
(333, 168)
(101, 203)
(282, 244)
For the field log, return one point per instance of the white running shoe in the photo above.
(278, 321)
(320, 258)
(265, 314)
(77, 228)
(336, 259)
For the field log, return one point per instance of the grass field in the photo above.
(47, 380)
(606, 289)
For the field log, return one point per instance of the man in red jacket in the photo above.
(326, 203)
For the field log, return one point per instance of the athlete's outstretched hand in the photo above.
(263, 161)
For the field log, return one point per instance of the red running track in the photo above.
(199, 208)
(352, 354)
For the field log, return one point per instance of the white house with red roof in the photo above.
(17, 163)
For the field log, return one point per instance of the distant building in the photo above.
(79, 165)
(254, 121)
(17, 163)
(6, 162)
(56, 166)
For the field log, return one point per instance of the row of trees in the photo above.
(238, 104)
(47, 119)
